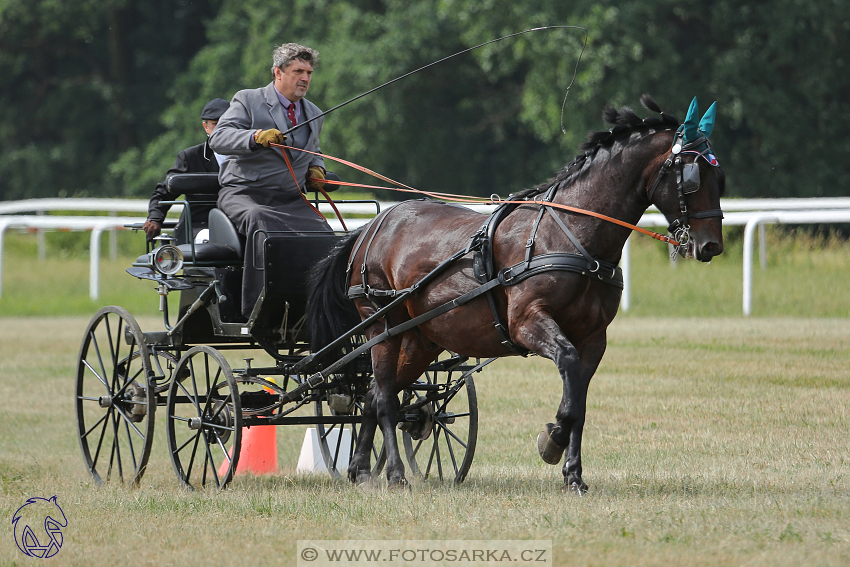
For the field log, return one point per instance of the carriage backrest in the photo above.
(224, 233)
(193, 183)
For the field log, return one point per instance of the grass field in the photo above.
(711, 439)
(719, 441)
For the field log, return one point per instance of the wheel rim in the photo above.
(338, 455)
(115, 403)
(448, 452)
(204, 420)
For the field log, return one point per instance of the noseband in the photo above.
(687, 182)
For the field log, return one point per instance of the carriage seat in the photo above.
(225, 247)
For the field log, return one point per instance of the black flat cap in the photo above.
(214, 109)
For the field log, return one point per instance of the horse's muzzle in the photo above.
(705, 251)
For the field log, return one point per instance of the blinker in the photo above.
(690, 178)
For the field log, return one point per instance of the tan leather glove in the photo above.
(318, 173)
(266, 137)
(151, 228)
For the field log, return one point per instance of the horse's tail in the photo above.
(330, 313)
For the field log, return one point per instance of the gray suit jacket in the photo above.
(249, 110)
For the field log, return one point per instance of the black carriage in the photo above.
(126, 375)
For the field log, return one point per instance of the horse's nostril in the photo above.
(710, 249)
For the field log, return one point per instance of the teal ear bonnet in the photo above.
(695, 131)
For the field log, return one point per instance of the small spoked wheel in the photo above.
(439, 436)
(338, 441)
(115, 402)
(204, 420)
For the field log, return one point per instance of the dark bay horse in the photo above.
(560, 315)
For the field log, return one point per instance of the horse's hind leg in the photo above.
(397, 363)
(360, 468)
(386, 404)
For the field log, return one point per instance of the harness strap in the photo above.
(506, 277)
(682, 221)
(501, 325)
(603, 271)
(571, 236)
(407, 325)
(486, 255)
(708, 213)
(363, 234)
(660, 175)
(529, 245)
(368, 246)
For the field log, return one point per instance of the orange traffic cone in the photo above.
(259, 451)
(259, 448)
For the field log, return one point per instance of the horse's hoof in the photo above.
(578, 488)
(398, 485)
(367, 484)
(550, 451)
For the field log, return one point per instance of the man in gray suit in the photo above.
(258, 191)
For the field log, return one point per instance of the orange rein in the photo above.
(309, 204)
(464, 199)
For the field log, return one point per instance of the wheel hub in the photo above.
(137, 397)
(419, 423)
(224, 418)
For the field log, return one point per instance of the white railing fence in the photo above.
(751, 213)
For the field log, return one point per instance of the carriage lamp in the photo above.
(167, 260)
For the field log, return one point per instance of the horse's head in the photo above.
(688, 186)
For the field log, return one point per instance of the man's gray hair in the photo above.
(285, 54)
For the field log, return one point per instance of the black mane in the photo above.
(624, 123)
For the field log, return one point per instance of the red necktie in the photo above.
(290, 113)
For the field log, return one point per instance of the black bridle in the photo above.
(687, 182)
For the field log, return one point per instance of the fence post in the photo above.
(113, 240)
(626, 265)
(4, 224)
(749, 230)
(94, 262)
(42, 255)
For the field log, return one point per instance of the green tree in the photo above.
(83, 82)
(101, 95)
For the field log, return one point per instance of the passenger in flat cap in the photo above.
(196, 159)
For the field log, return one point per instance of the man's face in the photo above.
(209, 125)
(294, 80)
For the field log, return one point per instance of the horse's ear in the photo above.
(707, 122)
(691, 126)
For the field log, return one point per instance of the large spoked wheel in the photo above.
(114, 399)
(441, 443)
(338, 441)
(204, 420)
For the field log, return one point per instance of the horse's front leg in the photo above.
(576, 368)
